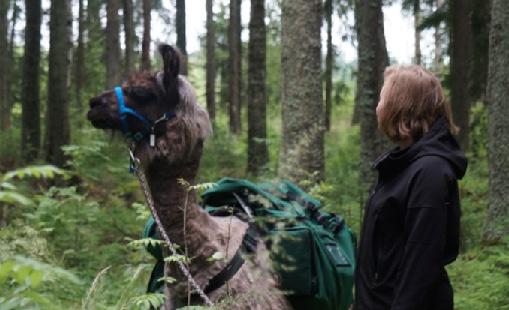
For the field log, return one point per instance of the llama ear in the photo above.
(171, 64)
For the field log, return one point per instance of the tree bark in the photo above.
(145, 44)
(461, 56)
(30, 88)
(80, 56)
(94, 52)
(329, 63)
(497, 225)
(437, 60)
(57, 113)
(11, 82)
(112, 44)
(257, 153)
(372, 59)
(480, 48)
(4, 63)
(417, 32)
(181, 34)
(211, 63)
(129, 36)
(235, 62)
(302, 152)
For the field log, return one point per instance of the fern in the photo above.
(145, 242)
(147, 301)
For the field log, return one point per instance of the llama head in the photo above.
(148, 97)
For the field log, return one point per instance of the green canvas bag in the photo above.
(312, 251)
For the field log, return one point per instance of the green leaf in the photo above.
(216, 256)
(5, 269)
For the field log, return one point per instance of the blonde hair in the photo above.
(412, 100)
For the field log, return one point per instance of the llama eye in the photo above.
(140, 94)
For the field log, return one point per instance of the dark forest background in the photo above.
(284, 104)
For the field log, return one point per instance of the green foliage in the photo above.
(21, 279)
(147, 301)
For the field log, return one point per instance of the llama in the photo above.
(171, 151)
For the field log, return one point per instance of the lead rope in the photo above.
(148, 197)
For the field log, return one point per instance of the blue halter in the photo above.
(149, 125)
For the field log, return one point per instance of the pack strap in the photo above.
(249, 243)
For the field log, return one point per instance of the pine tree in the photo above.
(4, 63)
(497, 224)
(235, 63)
(57, 113)
(257, 153)
(112, 44)
(145, 44)
(181, 34)
(372, 58)
(30, 88)
(129, 36)
(461, 57)
(302, 152)
(329, 63)
(211, 62)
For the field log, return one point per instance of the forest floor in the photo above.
(68, 247)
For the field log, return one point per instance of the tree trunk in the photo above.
(57, 113)
(11, 82)
(4, 63)
(437, 61)
(480, 48)
(145, 44)
(94, 66)
(302, 152)
(257, 153)
(373, 58)
(417, 32)
(181, 34)
(211, 63)
(329, 63)
(497, 225)
(112, 44)
(129, 36)
(235, 62)
(80, 57)
(461, 56)
(30, 88)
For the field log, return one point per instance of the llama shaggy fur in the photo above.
(175, 157)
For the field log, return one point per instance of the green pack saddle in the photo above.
(312, 251)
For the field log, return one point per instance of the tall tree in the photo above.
(461, 57)
(438, 36)
(235, 62)
(372, 59)
(4, 63)
(112, 52)
(417, 31)
(145, 43)
(94, 66)
(257, 153)
(497, 223)
(302, 152)
(57, 112)
(329, 63)
(129, 36)
(181, 34)
(480, 48)
(79, 64)
(211, 62)
(30, 102)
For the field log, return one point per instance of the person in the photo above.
(410, 230)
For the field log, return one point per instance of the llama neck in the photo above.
(184, 221)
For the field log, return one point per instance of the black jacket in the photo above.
(411, 226)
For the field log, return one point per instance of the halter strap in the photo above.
(124, 111)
